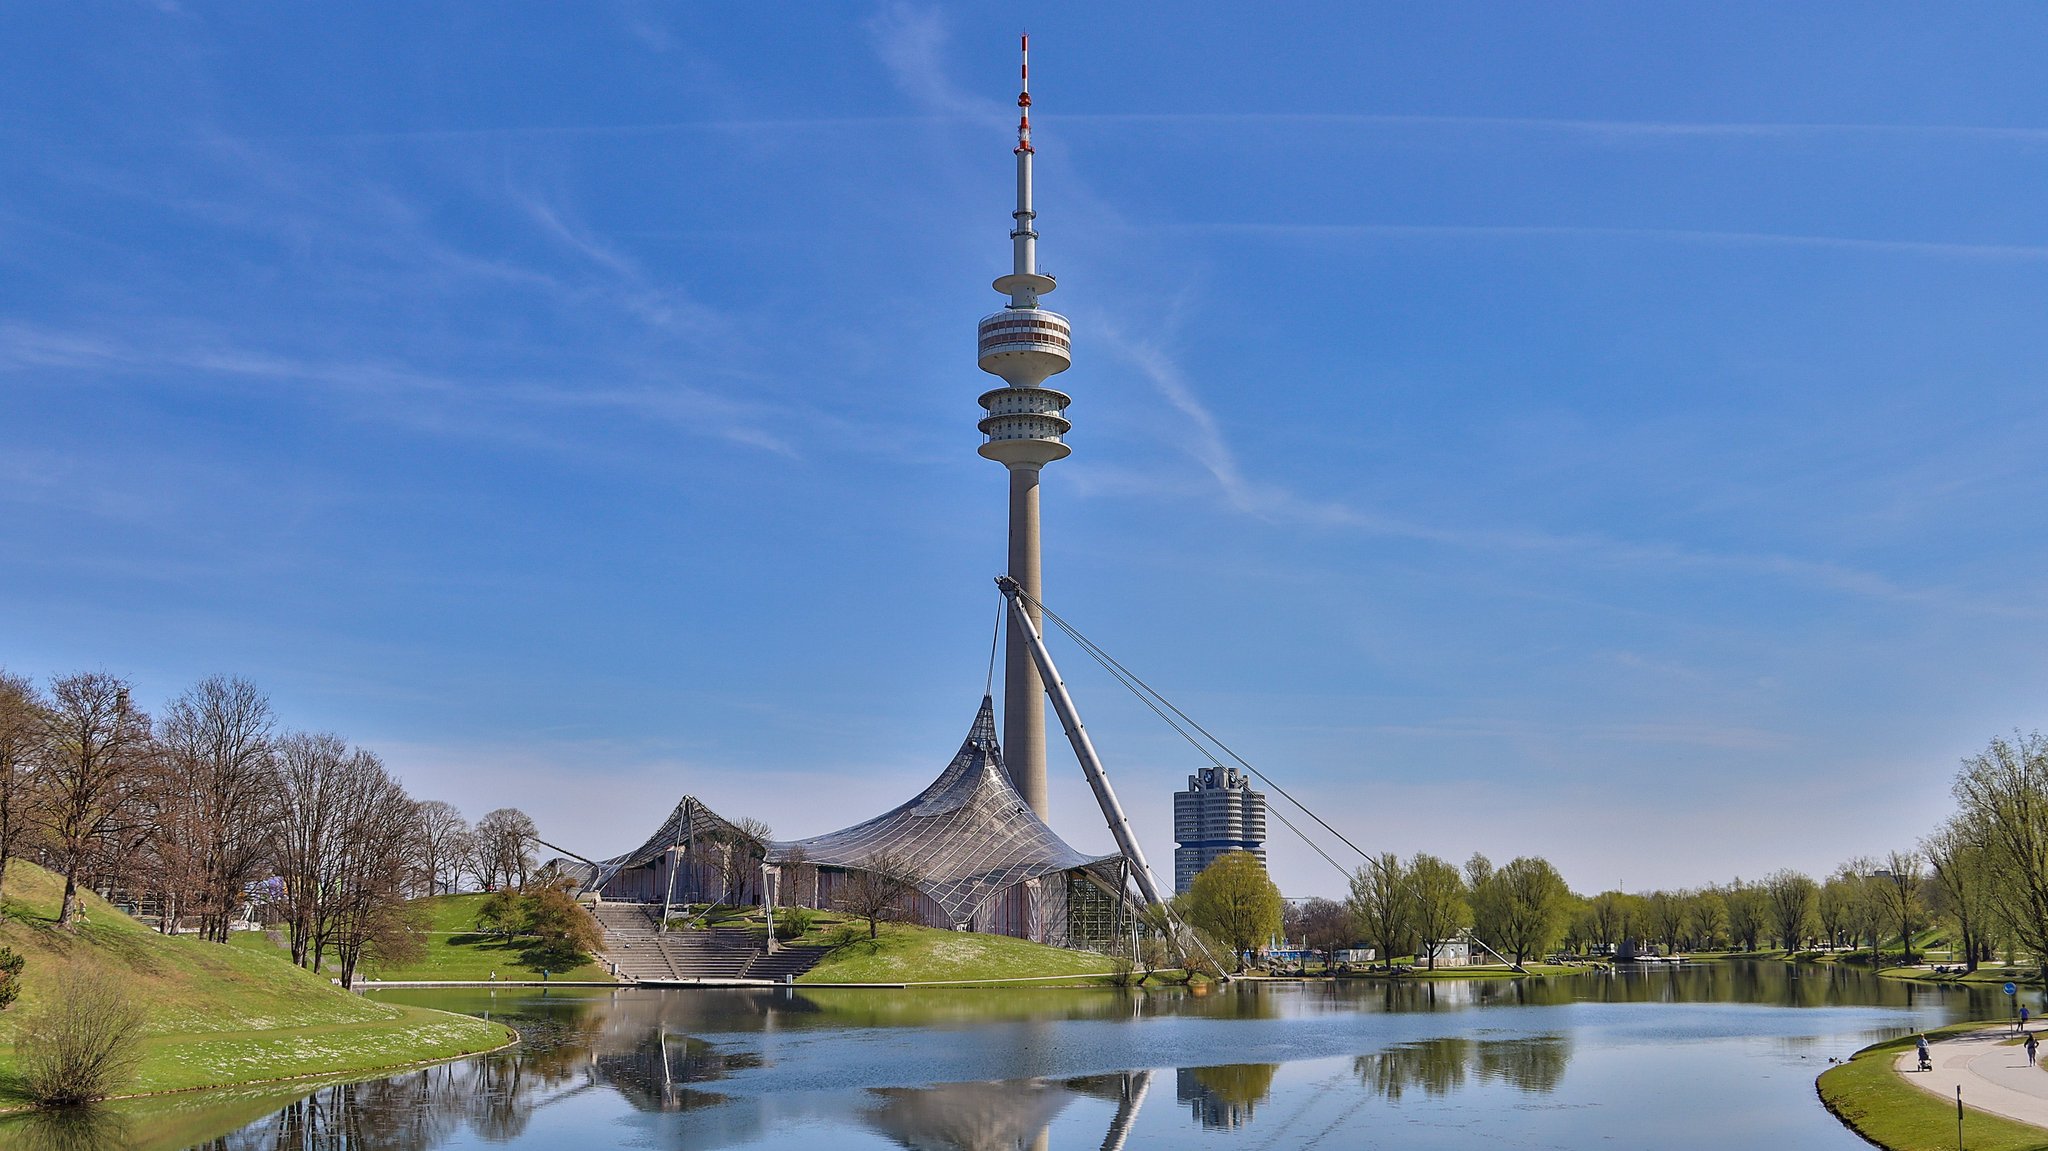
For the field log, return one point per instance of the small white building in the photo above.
(1449, 953)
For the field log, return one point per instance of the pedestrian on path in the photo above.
(2033, 1045)
(1926, 1060)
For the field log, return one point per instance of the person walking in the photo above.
(1926, 1059)
(2033, 1045)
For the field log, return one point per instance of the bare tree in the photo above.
(438, 830)
(464, 858)
(799, 877)
(743, 846)
(877, 888)
(24, 715)
(302, 830)
(1326, 925)
(217, 742)
(505, 838)
(92, 760)
(369, 862)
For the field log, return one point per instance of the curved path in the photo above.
(1993, 1074)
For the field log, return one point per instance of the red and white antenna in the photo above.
(1024, 100)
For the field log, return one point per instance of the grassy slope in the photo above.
(909, 954)
(1868, 1095)
(455, 949)
(217, 1015)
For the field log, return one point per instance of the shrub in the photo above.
(10, 976)
(84, 1045)
(791, 922)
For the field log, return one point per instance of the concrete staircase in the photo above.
(645, 955)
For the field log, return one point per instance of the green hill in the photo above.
(910, 954)
(216, 1015)
(455, 950)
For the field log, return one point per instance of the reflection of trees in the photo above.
(1440, 1066)
(1224, 1098)
(71, 1129)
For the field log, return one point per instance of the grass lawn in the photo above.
(1871, 1097)
(456, 950)
(216, 1015)
(909, 954)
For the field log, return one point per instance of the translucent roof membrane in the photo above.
(967, 836)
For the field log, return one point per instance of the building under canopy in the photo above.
(982, 859)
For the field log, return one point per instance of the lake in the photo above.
(1707, 1056)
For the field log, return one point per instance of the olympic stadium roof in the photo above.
(967, 836)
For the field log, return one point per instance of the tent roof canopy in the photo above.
(967, 836)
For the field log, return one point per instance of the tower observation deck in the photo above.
(1024, 344)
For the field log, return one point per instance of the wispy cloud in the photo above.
(1613, 129)
(1933, 248)
(1206, 443)
(394, 393)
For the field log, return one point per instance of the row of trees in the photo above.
(1981, 877)
(1524, 909)
(201, 809)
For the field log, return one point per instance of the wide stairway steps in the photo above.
(645, 955)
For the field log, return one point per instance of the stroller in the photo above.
(1926, 1059)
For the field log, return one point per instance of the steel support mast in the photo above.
(1084, 748)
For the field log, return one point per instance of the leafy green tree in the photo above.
(1956, 855)
(1533, 902)
(499, 914)
(565, 936)
(1484, 897)
(1383, 904)
(1441, 910)
(1790, 898)
(1902, 880)
(1664, 917)
(1748, 914)
(1234, 900)
(1706, 917)
(1609, 914)
(2004, 791)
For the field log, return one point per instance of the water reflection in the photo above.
(1440, 1066)
(976, 1070)
(81, 1129)
(1224, 1098)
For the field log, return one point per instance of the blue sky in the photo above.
(1601, 431)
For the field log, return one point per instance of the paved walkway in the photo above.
(1994, 1076)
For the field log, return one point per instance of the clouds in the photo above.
(594, 400)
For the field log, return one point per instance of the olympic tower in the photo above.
(1024, 344)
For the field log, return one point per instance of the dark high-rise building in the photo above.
(1217, 814)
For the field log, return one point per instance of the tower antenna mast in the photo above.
(1024, 343)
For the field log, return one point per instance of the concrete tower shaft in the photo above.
(1024, 344)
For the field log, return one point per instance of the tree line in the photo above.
(207, 809)
(1980, 878)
